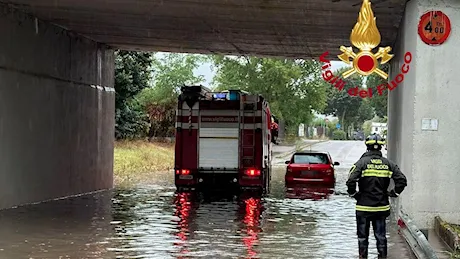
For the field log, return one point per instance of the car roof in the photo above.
(311, 152)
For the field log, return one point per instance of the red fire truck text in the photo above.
(218, 119)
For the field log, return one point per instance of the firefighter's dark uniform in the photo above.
(373, 172)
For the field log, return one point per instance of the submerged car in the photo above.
(310, 168)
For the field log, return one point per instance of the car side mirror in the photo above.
(287, 162)
(336, 163)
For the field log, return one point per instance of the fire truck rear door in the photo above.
(219, 139)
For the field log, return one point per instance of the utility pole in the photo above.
(323, 126)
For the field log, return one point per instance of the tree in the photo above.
(351, 111)
(365, 112)
(367, 127)
(341, 104)
(293, 88)
(378, 102)
(132, 74)
(172, 71)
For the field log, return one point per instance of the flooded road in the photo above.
(153, 221)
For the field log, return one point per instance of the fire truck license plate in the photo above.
(186, 177)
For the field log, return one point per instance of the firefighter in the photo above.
(373, 172)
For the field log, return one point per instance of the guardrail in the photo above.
(415, 238)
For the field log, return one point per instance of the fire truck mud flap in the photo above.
(259, 184)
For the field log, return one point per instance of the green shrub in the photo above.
(339, 135)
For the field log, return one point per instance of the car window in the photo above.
(317, 158)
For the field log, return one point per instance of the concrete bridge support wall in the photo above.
(56, 112)
(430, 159)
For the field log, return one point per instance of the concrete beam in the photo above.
(56, 112)
(205, 26)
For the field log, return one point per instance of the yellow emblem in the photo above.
(365, 36)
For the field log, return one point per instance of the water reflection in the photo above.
(250, 210)
(308, 192)
(155, 221)
(224, 225)
(144, 223)
(71, 228)
(183, 203)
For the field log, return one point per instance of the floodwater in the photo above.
(153, 221)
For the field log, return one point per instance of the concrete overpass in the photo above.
(57, 97)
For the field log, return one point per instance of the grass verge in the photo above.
(134, 161)
(456, 228)
(290, 140)
(450, 234)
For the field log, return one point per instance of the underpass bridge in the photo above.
(57, 96)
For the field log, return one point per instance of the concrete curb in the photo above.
(447, 234)
(415, 238)
(281, 155)
(294, 149)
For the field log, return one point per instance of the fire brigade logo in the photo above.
(365, 36)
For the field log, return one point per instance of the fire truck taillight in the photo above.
(252, 172)
(183, 172)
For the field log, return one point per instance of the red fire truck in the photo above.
(222, 139)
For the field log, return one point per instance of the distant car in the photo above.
(312, 168)
(358, 135)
